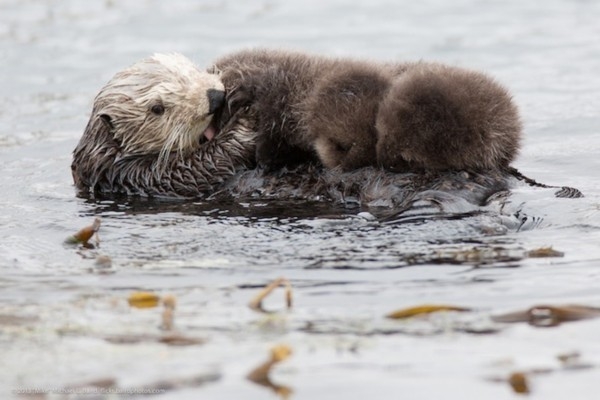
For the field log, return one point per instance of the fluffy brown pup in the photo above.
(341, 111)
(275, 84)
(440, 117)
(350, 114)
(309, 108)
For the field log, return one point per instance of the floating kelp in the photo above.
(85, 234)
(256, 302)
(168, 315)
(544, 252)
(150, 300)
(480, 255)
(260, 374)
(546, 316)
(143, 300)
(175, 339)
(423, 310)
(518, 382)
(486, 255)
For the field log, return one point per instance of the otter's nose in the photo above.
(216, 98)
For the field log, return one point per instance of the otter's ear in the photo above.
(107, 121)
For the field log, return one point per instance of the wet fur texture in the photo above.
(440, 117)
(100, 167)
(340, 114)
(350, 114)
(275, 84)
(130, 146)
(159, 104)
(126, 150)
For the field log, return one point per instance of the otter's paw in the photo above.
(239, 93)
(441, 117)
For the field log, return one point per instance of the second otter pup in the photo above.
(440, 117)
(351, 114)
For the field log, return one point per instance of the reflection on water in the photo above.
(60, 305)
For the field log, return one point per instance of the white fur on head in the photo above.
(171, 82)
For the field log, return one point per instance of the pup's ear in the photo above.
(107, 121)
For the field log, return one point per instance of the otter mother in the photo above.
(150, 133)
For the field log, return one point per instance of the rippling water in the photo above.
(58, 307)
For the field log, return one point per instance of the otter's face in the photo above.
(159, 105)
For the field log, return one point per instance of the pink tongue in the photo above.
(210, 132)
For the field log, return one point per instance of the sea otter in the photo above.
(153, 132)
(351, 114)
(162, 128)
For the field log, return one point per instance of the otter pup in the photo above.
(295, 96)
(440, 117)
(275, 84)
(351, 114)
(340, 114)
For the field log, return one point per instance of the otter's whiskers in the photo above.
(181, 140)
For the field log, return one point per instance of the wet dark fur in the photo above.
(224, 169)
(351, 114)
(275, 85)
(440, 117)
(340, 114)
(225, 166)
(301, 99)
(99, 167)
(369, 186)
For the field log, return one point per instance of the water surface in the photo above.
(58, 307)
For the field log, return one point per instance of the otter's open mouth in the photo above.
(213, 129)
(210, 132)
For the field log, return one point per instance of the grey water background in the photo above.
(347, 272)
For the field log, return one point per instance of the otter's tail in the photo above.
(564, 192)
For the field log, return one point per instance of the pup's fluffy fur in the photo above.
(350, 114)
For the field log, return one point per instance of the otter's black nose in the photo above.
(216, 98)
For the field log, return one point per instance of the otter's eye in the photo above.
(158, 109)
